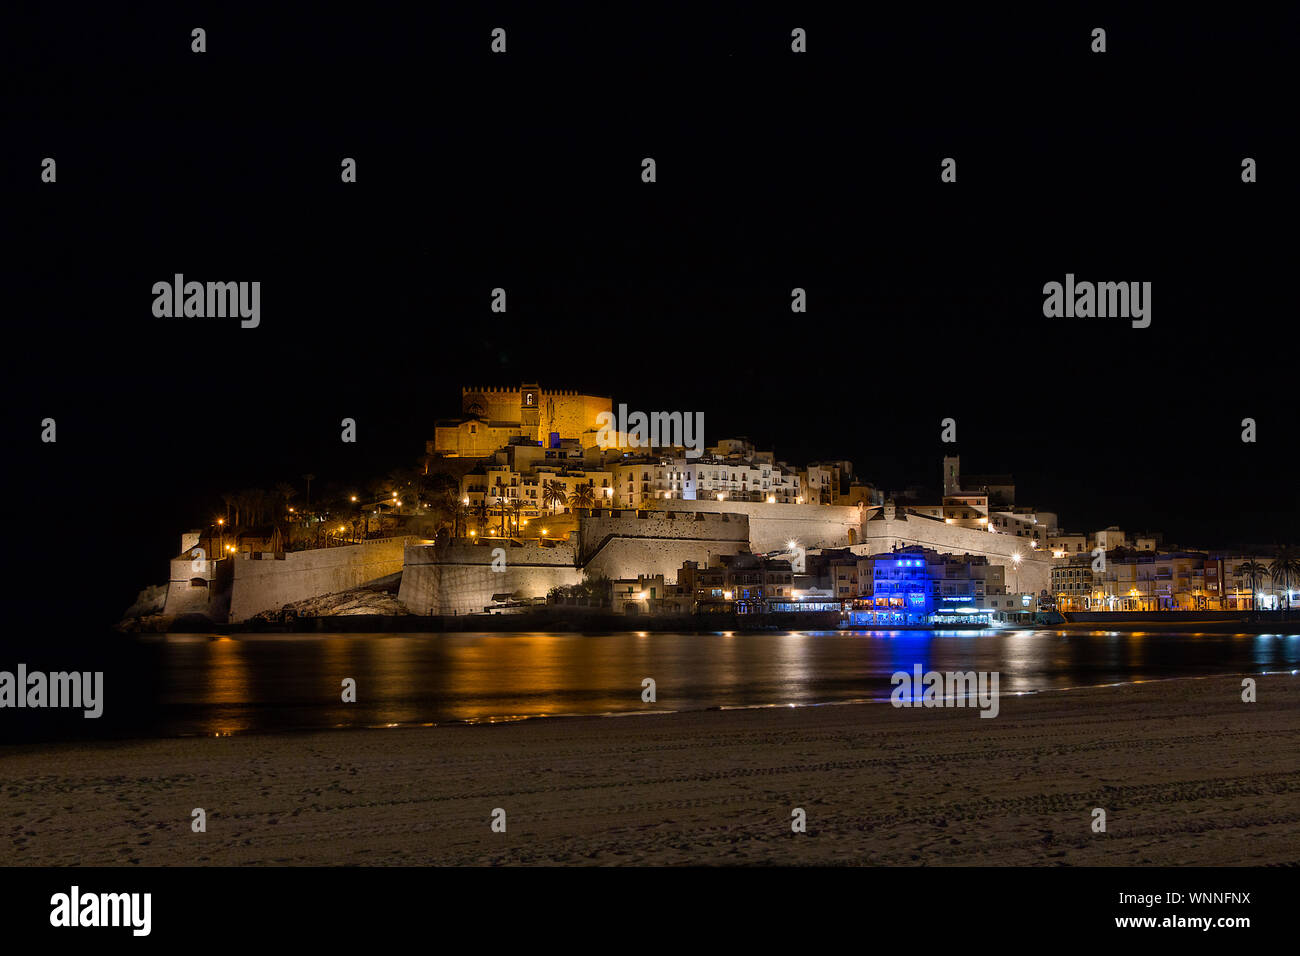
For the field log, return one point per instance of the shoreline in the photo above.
(1188, 774)
(45, 745)
(742, 624)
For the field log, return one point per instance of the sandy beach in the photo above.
(1188, 775)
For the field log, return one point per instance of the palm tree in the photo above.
(516, 506)
(459, 516)
(285, 491)
(380, 490)
(1253, 572)
(582, 497)
(409, 483)
(1284, 566)
(553, 494)
(481, 512)
(249, 507)
(309, 478)
(229, 499)
(499, 493)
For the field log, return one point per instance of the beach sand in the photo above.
(1187, 773)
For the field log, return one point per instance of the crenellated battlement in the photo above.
(514, 390)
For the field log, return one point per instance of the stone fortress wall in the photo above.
(773, 526)
(624, 543)
(619, 543)
(459, 578)
(270, 582)
(574, 413)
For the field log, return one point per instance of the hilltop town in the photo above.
(526, 501)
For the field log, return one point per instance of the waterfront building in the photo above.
(893, 588)
(644, 594)
(740, 584)
(1072, 584)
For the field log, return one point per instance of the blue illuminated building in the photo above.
(916, 586)
(895, 589)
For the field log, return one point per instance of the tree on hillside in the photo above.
(583, 497)
(285, 491)
(480, 511)
(554, 494)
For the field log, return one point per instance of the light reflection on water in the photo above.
(280, 682)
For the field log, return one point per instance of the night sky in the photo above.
(523, 171)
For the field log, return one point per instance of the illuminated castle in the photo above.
(491, 417)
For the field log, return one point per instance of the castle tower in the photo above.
(952, 475)
(530, 410)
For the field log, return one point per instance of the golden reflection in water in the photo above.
(395, 661)
(793, 659)
(1021, 653)
(227, 684)
(486, 670)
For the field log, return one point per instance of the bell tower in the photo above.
(952, 475)
(530, 412)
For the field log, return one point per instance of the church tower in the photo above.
(530, 412)
(952, 475)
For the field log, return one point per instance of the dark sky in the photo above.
(522, 171)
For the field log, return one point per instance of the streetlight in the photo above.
(1015, 560)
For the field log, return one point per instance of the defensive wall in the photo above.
(266, 581)
(463, 578)
(623, 543)
(772, 526)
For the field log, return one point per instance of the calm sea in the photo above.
(196, 684)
